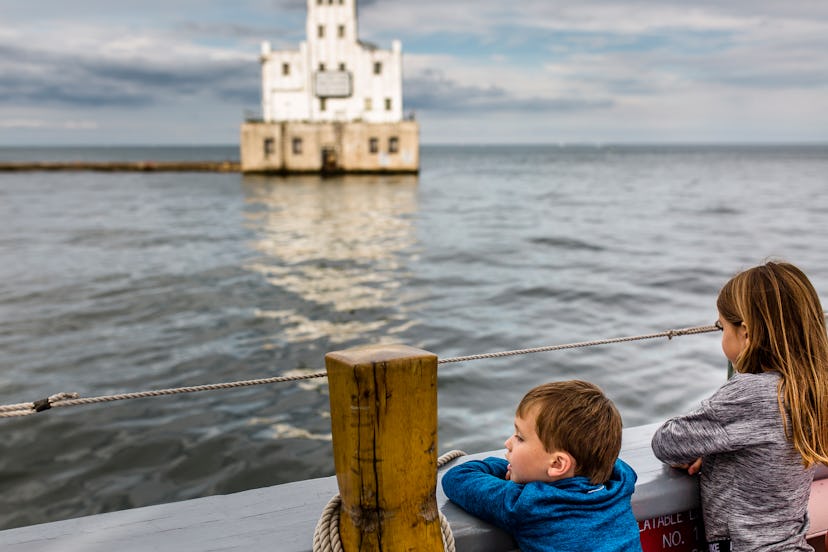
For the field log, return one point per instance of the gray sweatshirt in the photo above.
(754, 488)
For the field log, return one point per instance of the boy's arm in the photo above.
(479, 487)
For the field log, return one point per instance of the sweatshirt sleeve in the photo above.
(478, 487)
(683, 439)
(723, 423)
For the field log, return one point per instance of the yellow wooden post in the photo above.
(384, 424)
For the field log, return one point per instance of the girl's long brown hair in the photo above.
(786, 334)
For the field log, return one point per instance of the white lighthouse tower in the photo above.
(335, 104)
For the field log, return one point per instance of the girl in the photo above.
(757, 439)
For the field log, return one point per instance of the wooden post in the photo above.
(384, 424)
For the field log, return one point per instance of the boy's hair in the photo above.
(576, 417)
(786, 334)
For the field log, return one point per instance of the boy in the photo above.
(562, 486)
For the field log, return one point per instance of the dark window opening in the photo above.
(393, 144)
(373, 145)
(322, 104)
(297, 146)
(286, 69)
(377, 68)
(341, 66)
(320, 31)
(341, 31)
(388, 104)
(269, 146)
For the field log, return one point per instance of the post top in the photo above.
(369, 354)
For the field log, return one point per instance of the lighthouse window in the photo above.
(377, 68)
(322, 104)
(373, 145)
(393, 144)
(320, 31)
(269, 147)
(341, 31)
(388, 104)
(286, 69)
(297, 146)
(321, 66)
(341, 66)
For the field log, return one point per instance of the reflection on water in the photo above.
(126, 282)
(338, 244)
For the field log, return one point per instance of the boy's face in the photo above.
(528, 460)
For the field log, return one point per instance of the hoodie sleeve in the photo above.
(478, 487)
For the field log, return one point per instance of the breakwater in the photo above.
(121, 166)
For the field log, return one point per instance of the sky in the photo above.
(157, 72)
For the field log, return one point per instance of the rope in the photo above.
(326, 535)
(669, 334)
(71, 399)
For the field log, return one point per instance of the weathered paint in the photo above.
(297, 147)
(387, 483)
(283, 517)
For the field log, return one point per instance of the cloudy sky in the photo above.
(483, 71)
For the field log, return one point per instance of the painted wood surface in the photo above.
(282, 518)
(384, 425)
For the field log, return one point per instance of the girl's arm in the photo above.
(683, 440)
(729, 420)
(479, 487)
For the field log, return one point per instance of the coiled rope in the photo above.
(72, 399)
(326, 535)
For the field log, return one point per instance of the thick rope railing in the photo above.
(73, 399)
(326, 535)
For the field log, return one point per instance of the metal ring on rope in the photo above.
(326, 535)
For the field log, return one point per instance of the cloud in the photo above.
(130, 70)
(47, 124)
(431, 90)
(595, 68)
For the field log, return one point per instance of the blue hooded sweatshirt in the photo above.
(567, 515)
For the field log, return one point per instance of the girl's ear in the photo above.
(742, 332)
(561, 465)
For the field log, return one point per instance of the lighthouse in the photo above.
(333, 105)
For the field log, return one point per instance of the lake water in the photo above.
(124, 282)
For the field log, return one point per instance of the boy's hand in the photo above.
(692, 469)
